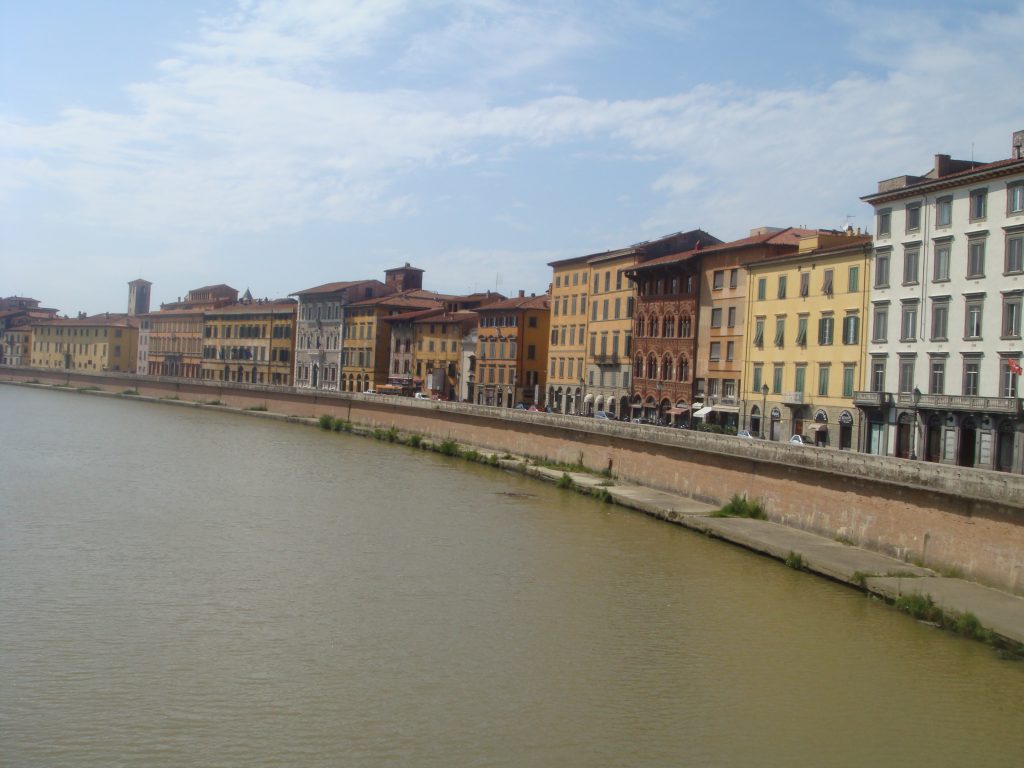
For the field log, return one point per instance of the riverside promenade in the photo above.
(877, 574)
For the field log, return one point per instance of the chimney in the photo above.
(522, 293)
(942, 166)
(1017, 145)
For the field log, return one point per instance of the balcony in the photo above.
(1009, 405)
(612, 359)
(872, 399)
(792, 398)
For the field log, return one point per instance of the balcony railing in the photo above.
(607, 359)
(865, 399)
(1009, 405)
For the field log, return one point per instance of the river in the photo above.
(188, 588)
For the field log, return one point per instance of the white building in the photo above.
(946, 304)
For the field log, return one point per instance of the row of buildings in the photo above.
(905, 343)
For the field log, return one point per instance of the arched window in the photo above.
(666, 368)
(684, 368)
(652, 327)
(667, 327)
(638, 366)
(652, 367)
(639, 325)
(686, 327)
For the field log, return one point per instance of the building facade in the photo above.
(105, 342)
(512, 351)
(805, 345)
(946, 303)
(251, 342)
(171, 339)
(570, 282)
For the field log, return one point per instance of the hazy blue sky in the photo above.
(279, 145)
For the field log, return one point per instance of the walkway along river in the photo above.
(181, 586)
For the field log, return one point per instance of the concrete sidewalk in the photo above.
(878, 574)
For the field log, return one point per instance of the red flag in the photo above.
(1014, 367)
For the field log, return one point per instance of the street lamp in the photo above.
(913, 436)
(764, 406)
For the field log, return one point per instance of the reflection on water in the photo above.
(188, 588)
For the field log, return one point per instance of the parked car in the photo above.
(369, 391)
(421, 396)
(601, 415)
(519, 407)
(801, 440)
(744, 433)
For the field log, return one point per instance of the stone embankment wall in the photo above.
(951, 519)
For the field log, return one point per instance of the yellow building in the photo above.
(567, 349)
(438, 358)
(252, 342)
(805, 342)
(105, 342)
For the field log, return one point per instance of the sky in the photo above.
(276, 145)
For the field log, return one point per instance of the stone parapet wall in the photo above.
(948, 518)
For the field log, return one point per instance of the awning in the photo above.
(727, 408)
(703, 412)
(677, 411)
(589, 398)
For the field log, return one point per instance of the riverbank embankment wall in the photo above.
(955, 520)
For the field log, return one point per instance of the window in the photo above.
(940, 320)
(718, 279)
(1014, 253)
(885, 222)
(976, 257)
(730, 350)
(911, 258)
(853, 280)
(826, 283)
(823, 373)
(734, 278)
(716, 317)
(716, 351)
(762, 288)
(782, 287)
(731, 321)
(849, 372)
(805, 283)
(758, 374)
(979, 204)
(972, 375)
(604, 309)
(780, 331)
(777, 379)
(972, 322)
(759, 332)
(944, 212)
(1007, 377)
(882, 269)
(913, 217)
(802, 331)
(906, 382)
(1015, 198)
(618, 308)
(880, 324)
(826, 330)
(1011, 315)
(937, 376)
(800, 380)
(878, 374)
(851, 329)
(908, 323)
(941, 262)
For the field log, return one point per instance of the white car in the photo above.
(801, 440)
(421, 396)
(369, 391)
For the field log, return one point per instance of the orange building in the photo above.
(510, 364)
